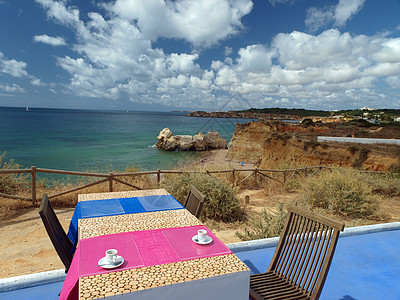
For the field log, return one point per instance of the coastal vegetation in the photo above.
(11, 183)
(289, 111)
(346, 193)
(221, 202)
(264, 225)
(351, 195)
(382, 114)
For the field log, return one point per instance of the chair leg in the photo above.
(254, 296)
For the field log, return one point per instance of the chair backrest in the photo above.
(194, 201)
(305, 250)
(58, 237)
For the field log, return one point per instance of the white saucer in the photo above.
(104, 262)
(197, 241)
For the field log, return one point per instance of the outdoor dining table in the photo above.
(161, 259)
(124, 203)
(158, 264)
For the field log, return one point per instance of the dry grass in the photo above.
(265, 195)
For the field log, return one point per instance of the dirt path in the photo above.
(216, 158)
(25, 243)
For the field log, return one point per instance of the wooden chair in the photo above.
(58, 237)
(194, 201)
(301, 260)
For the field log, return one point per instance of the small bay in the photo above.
(80, 140)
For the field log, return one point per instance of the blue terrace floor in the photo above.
(366, 265)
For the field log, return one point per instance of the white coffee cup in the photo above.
(202, 235)
(112, 255)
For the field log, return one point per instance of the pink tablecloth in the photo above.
(139, 249)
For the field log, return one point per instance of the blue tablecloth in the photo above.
(120, 206)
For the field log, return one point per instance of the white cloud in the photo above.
(306, 68)
(318, 18)
(115, 58)
(228, 51)
(346, 9)
(57, 11)
(394, 82)
(13, 88)
(37, 82)
(336, 15)
(202, 23)
(255, 59)
(53, 41)
(12, 67)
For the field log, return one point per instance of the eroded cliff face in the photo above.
(247, 143)
(273, 144)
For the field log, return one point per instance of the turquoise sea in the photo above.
(80, 140)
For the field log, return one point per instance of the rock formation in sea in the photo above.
(198, 142)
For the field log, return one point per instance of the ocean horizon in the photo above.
(88, 140)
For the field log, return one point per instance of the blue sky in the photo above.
(200, 54)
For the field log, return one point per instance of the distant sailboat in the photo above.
(27, 108)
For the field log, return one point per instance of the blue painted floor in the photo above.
(364, 267)
(42, 292)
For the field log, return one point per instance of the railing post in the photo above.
(233, 177)
(110, 182)
(256, 176)
(158, 176)
(284, 176)
(33, 184)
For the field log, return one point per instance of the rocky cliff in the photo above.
(199, 142)
(270, 144)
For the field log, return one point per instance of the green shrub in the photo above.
(284, 137)
(344, 192)
(310, 144)
(387, 185)
(264, 225)
(395, 167)
(292, 185)
(353, 149)
(362, 157)
(221, 203)
(307, 122)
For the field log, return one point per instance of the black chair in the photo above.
(301, 260)
(58, 237)
(194, 201)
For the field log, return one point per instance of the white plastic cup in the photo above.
(112, 255)
(202, 235)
